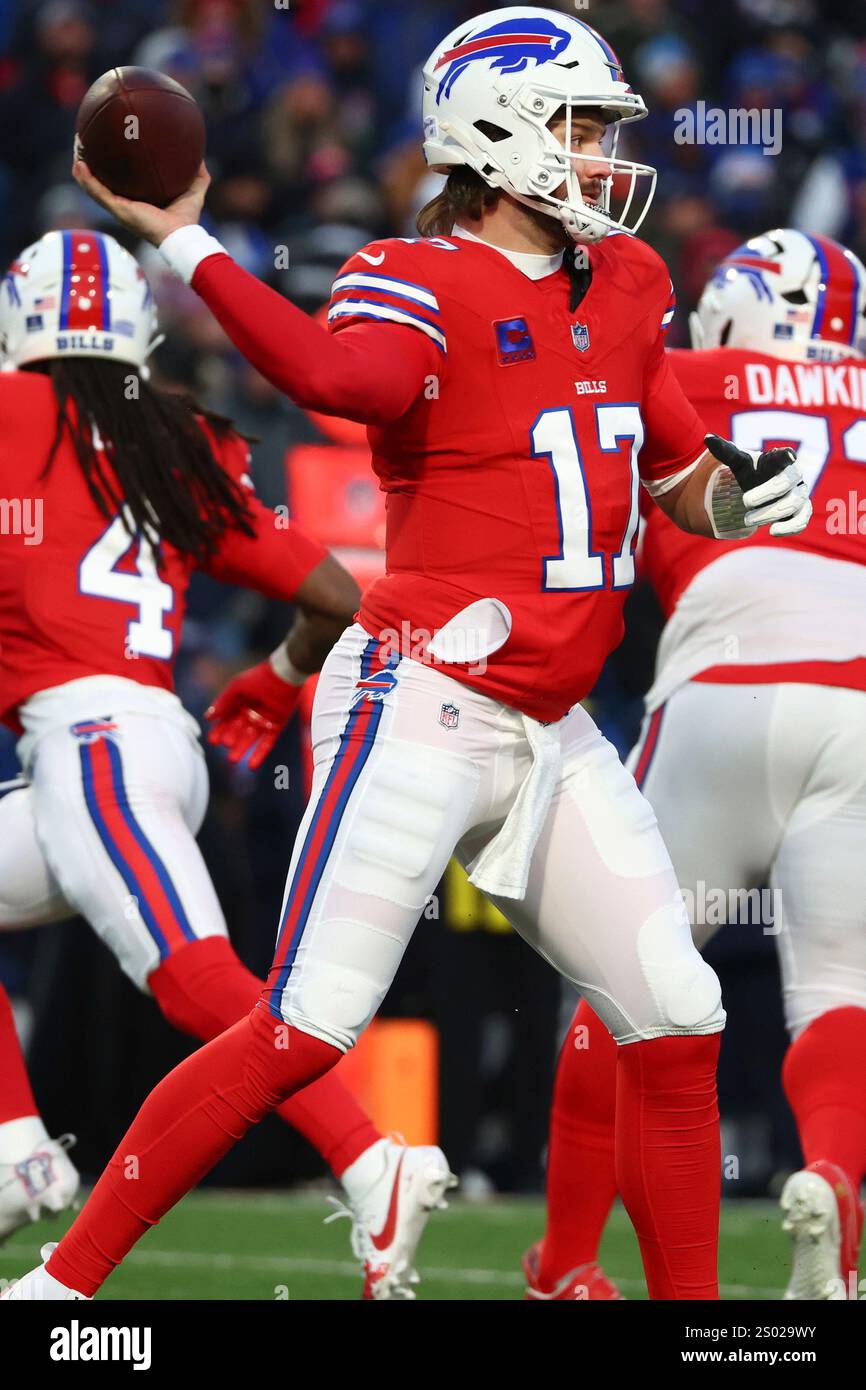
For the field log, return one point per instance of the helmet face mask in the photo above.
(556, 179)
(78, 294)
(787, 294)
(491, 91)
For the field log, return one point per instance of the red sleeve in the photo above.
(275, 560)
(371, 371)
(673, 433)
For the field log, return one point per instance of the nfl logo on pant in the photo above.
(449, 716)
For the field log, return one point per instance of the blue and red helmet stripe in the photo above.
(836, 310)
(85, 301)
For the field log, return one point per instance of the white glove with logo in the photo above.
(752, 490)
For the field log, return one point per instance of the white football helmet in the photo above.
(76, 294)
(788, 294)
(490, 90)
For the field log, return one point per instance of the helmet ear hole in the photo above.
(726, 333)
(491, 131)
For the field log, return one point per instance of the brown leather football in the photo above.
(141, 133)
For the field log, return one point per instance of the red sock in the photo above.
(16, 1097)
(202, 989)
(581, 1171)
(823, 1077)
(668, 1160)
(187, 1123)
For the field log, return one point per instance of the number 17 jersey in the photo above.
(515, 475)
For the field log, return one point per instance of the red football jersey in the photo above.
(515, 474)
(817, 408)
(77, 596)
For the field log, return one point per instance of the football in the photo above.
(141, 133)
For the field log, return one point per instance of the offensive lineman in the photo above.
(751, 753)
(447, 716)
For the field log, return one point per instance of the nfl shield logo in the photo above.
(580, 336)
(449, 716)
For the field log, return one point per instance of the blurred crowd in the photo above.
(312, 111)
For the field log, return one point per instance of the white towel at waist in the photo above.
(502, 867)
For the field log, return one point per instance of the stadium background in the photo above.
(313, 146)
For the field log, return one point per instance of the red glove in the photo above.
(251, 712)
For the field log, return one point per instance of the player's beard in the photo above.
(549, 224)
(593, 194)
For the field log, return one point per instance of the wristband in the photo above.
(184, 249)
(284, 667)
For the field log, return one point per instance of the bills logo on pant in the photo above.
(92, 730)
(580, 336)
(375, 687)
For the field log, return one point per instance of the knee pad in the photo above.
(686, 989)
(30, 896)
(412, 812)
(338, 989)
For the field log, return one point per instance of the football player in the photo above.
(751, 753)
(516, 394)
(124, 490)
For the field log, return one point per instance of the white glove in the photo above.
(772, 489)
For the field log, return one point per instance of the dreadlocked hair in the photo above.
(164, 478)
(465, 194)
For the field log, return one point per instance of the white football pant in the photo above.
(411, 766)
(106, 827)
(764, 786)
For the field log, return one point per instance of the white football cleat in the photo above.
(823, 1216)
(45, 1180)
(38, 1286)
(392, 1189)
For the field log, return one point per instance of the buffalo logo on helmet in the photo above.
(510, 46)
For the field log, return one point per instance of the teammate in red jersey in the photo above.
(751, 752)
(515, 398)
(124, 490)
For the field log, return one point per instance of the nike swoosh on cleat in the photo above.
(374, 260)
(386, 1235)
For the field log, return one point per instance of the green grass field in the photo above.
(232, 1245)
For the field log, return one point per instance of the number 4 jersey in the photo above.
(79, 598)
(767, 609)
(512, 482)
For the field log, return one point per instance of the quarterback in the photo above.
(751, 753)
(512, 512)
